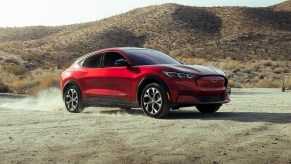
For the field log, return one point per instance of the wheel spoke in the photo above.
(154, 110)
(73, 107)
(148, 94)
(72, 99)
(146, 105)
(68, 96)
(152, 100)
(70, 92)
(159, 99)
(158, 104)
(68, 102)
(154, 92)
(75, 99)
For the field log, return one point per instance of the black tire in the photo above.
(73, 99)
(208, 108)
(154, 101)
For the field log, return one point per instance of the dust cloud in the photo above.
(51, 100)
(46, 100)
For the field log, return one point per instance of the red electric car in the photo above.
(137, 77)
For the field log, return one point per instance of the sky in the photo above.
(15, 13)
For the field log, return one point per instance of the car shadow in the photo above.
(123, 111)
(277, 118)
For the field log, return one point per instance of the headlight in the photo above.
(179, 75)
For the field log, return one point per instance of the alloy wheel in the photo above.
(72, 99)
(152, 100)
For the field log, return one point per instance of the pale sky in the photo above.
(61, 12)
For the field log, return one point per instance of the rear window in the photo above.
(92, 61)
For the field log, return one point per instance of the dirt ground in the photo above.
(255, 127)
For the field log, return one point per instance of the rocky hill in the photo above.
(284, 6)
(190, 34)
(26, 33)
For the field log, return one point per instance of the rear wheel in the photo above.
(208, 108)
(73, 99)
(154, 101)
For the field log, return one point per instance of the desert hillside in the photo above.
(284, 6)
(252, 45)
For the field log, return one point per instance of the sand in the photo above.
(255, 127)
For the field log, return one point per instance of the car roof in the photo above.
(131, 48)
(111, 49)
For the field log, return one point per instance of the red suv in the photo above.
(130, 77)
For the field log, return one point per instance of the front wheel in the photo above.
(208, 108)
(73, 99)
(154, 101)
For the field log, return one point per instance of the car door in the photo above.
(116, 81)
(89, 81)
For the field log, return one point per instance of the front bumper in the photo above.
(185, 93)
(184, 99)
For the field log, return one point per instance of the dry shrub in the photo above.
(262, 76)
(11, 60)
(31, 56)
(267, 63)
(288, 83)
(255, 79)
(35, 84)
(246, 85)
(22, 86)
(7, 78)
(269, 82)
(3, 88)
(235, 70)
(16, 70)
(32, 82)
(278, 70)
(286, 70)
(233, 84)
(252, 67)
(47, 80)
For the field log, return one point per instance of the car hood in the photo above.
(192, 69)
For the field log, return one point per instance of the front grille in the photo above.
(211, 81)
(211, 98)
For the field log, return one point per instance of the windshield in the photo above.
(149, 57)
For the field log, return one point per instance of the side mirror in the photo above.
(121, 62)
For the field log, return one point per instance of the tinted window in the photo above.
(81, 63)
(93, 61)
(110, 58)
(149, 57)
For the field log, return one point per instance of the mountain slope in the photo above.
(26, 33)
(284, 6)
(184, 32)
(253, 45)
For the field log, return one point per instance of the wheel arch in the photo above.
(147, 80)
(69, 83)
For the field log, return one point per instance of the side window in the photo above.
(110, 58)
(93, 61)
(81, 62)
